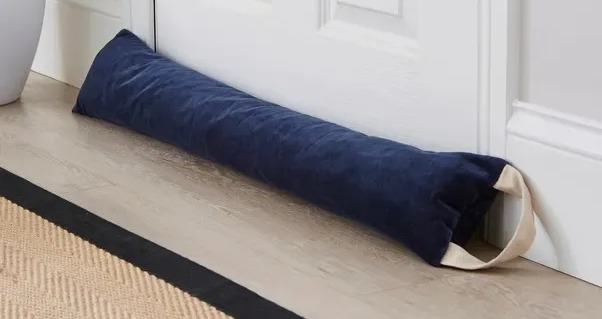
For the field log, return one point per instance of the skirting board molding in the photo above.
(556, 129)
(74, 31)
(561, 156)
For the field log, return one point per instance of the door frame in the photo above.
(500, 37)
(499, 83)
(143, 20)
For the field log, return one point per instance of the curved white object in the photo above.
(20, 27)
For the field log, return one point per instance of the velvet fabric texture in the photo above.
(423, 199)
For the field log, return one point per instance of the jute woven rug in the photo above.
(58, 261)
(47, 272)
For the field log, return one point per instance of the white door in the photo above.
(401, 69)
(75, 30)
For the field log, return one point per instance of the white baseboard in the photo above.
(561, 156)
(556, 129)
(74, 32)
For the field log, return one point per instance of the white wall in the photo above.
(562, 55)
(554, 133)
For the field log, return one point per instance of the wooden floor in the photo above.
(310, 261)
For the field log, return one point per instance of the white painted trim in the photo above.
(499, 79)
(504, 75)
(560, 130)
(143, 20)
(74, 32)
(484, 91)
(97, 7)
(561, 157)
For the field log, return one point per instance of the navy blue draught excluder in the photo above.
(431, 202)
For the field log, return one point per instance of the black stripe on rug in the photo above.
(210, 287)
